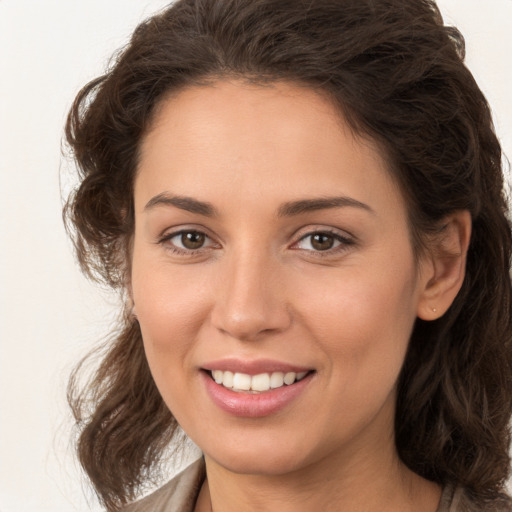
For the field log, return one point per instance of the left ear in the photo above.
(444, 267)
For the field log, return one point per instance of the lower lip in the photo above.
(253, 405)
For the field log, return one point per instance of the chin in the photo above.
(270, 455)
(266, 465)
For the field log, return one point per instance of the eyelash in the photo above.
(343, 243)
(166, 241)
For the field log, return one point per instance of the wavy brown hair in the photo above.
(396, 73)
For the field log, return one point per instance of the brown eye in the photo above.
(188, 242)
(322, 241)
(192, 240)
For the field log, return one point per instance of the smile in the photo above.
(251, 392)
(243, 382)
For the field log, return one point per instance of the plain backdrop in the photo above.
(49, 314)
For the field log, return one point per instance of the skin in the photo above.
(259, 288)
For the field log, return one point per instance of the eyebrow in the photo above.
(183, 203)
(288, 209)
(292, 208)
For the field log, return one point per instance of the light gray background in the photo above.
(49, 315)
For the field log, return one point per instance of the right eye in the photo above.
(187, 241)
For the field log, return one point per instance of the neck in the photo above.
(352, 483)
(364, 473)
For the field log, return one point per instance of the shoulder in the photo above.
(462, 500)
(180, 493)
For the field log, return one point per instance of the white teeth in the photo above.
(257, 383)
(242, 381)
(227, 379)
(289, 378)
(276, 380)
(260, 382)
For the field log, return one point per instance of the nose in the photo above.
(250, 298)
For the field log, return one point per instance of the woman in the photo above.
(302, 203)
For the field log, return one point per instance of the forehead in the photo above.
(259, 141)
(237, 111)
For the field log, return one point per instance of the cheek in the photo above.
(363, 320)
(170, 314)
(170, 307)
(362, 326)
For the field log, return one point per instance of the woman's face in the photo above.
(271, 245)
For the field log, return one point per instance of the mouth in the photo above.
(254, 384)
(255, 389)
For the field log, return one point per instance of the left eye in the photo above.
(319, 241)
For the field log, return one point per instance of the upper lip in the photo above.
(253, 367)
